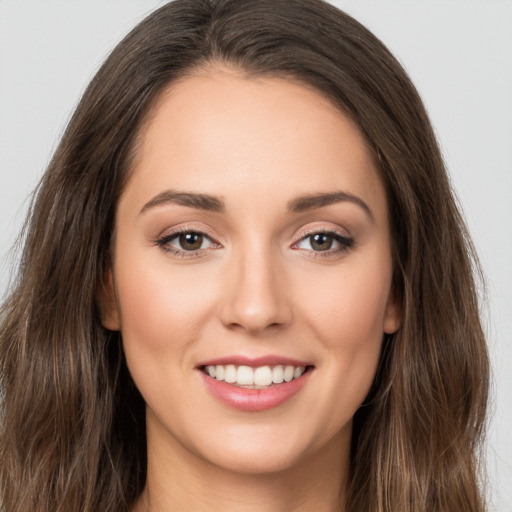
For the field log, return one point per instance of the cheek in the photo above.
(347, 317)
(164, 312)
(349, 310)
(162, 308)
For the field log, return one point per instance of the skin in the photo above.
(257, 286)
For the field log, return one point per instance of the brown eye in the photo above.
(190, 244)
(190, 241)
(328, 242)
(321, 241)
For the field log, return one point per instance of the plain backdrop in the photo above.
(458, 53)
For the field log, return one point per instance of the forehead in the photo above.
(222, 133)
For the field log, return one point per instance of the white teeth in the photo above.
(288, 373)
(260, 377)
(277, 374)
(230, 373)
(263, 376)
(298, 372)
(245, 376)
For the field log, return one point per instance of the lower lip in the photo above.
(254, 400)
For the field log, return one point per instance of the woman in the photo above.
(245, 283)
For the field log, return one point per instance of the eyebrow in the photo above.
(192, 200)
(314, 201)
(216, 204)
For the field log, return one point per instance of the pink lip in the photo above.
(270, 360)
(254, 400)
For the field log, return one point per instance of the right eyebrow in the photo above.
(314, 201)
(190, 199)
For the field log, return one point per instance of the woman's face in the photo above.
(252, 243)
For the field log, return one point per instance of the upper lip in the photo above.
(268, 360)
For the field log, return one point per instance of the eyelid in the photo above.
(187, 228)
(322, 229)
(163, 239)
(176, 237)
(345, 241)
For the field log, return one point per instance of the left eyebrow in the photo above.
(189, 199)
(314, 201)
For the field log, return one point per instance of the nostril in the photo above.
(254, 327)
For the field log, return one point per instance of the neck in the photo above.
(179, 480)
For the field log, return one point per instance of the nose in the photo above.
(256, 299)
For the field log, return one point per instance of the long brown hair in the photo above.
(72, 434)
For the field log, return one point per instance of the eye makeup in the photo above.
(187, 242)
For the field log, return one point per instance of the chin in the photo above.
(266, 450)
(249, 461)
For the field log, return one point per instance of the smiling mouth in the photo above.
(261, 377)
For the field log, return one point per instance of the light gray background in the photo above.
(458, 52)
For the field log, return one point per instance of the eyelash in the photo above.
(345, 243)
(164, 241)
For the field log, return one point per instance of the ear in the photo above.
(109, 310)
(393, 314)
